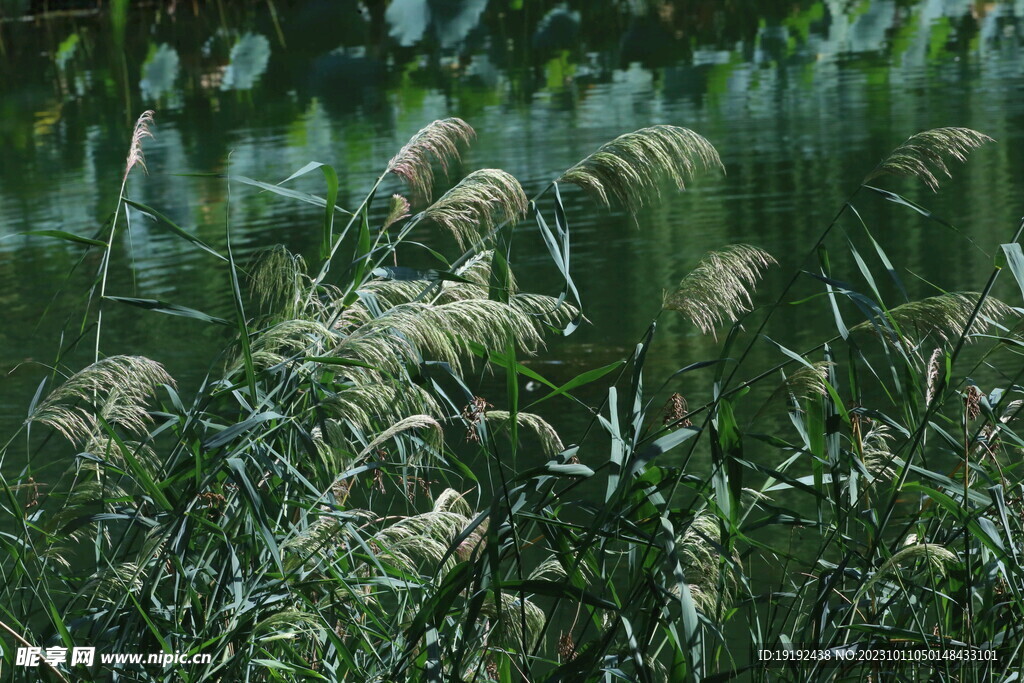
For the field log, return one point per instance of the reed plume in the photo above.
(550, 442)
(115, 389)
(877, 453)
(437, 142)
(719, 288)
(925, 154)
(482, 200)
(424, 538)
(633, 166)
(509, 617)
(140, 133)
(937, 557)
(709, 576)
(412, 422)
(943, 317)
(398, 208)
(934, 372)
(809, 380)
(413, 331)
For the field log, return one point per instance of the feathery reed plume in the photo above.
(366, 408)
(405, 424)
(423, 538)
(135, 158)
(809, 380)
(318, 539)
(454, 502)
(321, 538)
(551, 567)
(703, 563)
(934, 369)
(876, 451)
(806, 382)
(482, 200)
(141, 132)
(719, 287)
(925, 154)
(398, 208)
(278, 282)
(437, 142)
(408, 332)
(943, 317)
(549, 439)
(289, 624)
(509, 617)
(632, 166)
(284, 340)
(112, 583)
(115, 388)
(545, 310)
(451, 500)
(937, 557)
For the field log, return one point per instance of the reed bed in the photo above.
(338, 502)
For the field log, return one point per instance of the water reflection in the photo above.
(448, 22)
(159, 73)
(249, 59)
(801, 98)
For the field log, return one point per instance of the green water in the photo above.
(800, 98)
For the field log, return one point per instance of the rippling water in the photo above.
(800, 98)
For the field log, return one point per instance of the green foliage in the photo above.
(337, 501)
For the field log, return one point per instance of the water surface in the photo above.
(800, 98)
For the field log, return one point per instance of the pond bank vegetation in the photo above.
(339, 501)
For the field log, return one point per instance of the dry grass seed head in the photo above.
(508, 617)
(409, 332)
(433, 434)
(809, 381)
(111, 584)
(934, 370)
(366, 409)
(451, 500)
(876, 449)
(422, 539)
(139, 133)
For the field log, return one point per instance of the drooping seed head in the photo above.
(633, 166)
(139, 133)
(926, 154)
(438, 142)
(719, 288)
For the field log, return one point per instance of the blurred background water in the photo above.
(801, 99)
